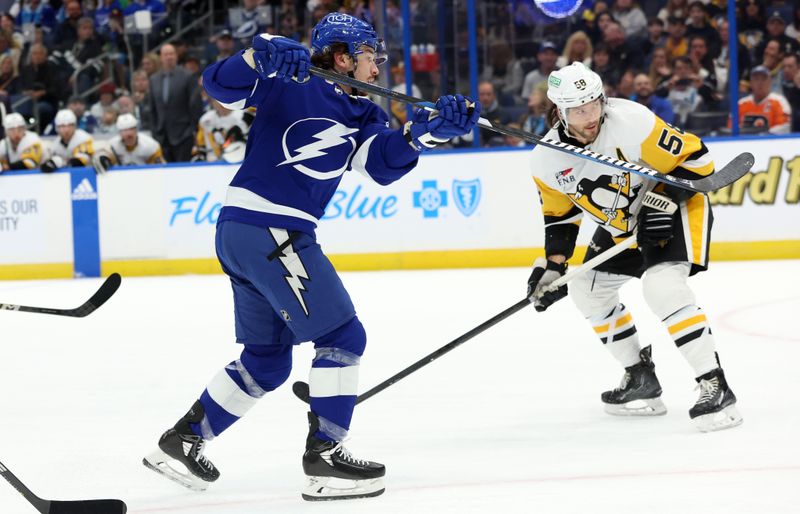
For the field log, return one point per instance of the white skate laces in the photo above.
(708, 390)
(346, 455)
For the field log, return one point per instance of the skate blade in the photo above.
(161, 463)
(329, 488)
(728, 417)
(645, 407)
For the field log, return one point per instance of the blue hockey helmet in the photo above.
(343, 28)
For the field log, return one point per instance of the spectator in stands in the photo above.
(753, 18)
(192, 66)
(9, 81)
(129, 147)
(601, 64)
(504, 72)
(674, 9)
(491, 110)
(107, 96)
(704, 66)
(39, 82)
(252, 20)
(624, 54)
(722, 63)
(535, 120)
(224, 46)
(21, 149)
(603, 20)
(645, 96)
(156, 7)
(67, 32)
(7, 47)
(763, 106)
(83, 119)
(631, 18)
(176, 105)
(683, 95)
(776, 30)
(656, 38)
(221, 134)
(37, 12)
(107, 124)
(790, 87)
(625, 87)
(513, 141)
(8, 27)
(399, 110)
(660, 71)
(140, 93)
(151, 64)
(577, 48)
(793, 29)
(698, 26)
(547, 57)
(677, 45)
(87, 46)
(772, 58)
(74, 147)
(103, 14)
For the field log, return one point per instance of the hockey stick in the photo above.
(734, 170)
(64, 506)
(108, 288)
(301, 389)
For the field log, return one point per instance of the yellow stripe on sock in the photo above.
(677, 327)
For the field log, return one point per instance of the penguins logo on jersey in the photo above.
(607, 198)
(318, 147)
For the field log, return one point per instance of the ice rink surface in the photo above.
(509, 422)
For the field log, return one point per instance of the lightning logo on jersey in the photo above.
(293, 265)
(329, 138)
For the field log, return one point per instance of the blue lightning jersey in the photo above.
(303, 138)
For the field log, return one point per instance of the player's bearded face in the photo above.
(366, 69)
(584, 121)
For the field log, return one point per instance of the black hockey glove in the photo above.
(654, 227)
(544, 273)
(51, 165)
(102, 163)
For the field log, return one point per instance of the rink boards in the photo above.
(457, 209)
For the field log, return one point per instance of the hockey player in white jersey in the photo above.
(221, 134)
(21, 149)
(670, 247)
(74, 146)
(306, 134)
(129, 147)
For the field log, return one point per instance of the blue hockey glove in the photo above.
(456, 116)
(281, 58)
(543, 274)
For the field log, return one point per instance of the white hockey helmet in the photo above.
(65, 117)
(573, 86)
(13, 120)
(126, 121)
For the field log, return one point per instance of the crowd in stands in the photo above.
(124, 86)
(671, 56)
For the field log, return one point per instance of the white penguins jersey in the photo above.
(146, 151)
(213, 129)
(28, 152)
(570, 186)
(80, 146)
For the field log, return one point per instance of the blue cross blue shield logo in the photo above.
(467, 195)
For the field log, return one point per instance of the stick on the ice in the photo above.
(730, 173)
(108, 288)
(63, 506)
(301, 390)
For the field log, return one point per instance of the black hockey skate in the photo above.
(715, 409)
(180, 444)
(334, 474)
(639, 393)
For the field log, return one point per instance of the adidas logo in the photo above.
(84, 191)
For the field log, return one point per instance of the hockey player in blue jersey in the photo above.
(307, 132)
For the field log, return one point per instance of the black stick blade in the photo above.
(300, 389)
(105, 292)
(733, 171)
(88, 507)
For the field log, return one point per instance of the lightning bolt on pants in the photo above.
(285, 292)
